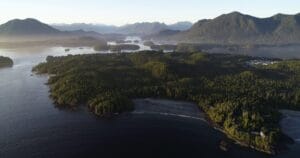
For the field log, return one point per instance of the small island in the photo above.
(101, 47)
(242, 101)
(148, 43)
(6, 62)
(123, 41)
(115, 48)
(163, 47)
(121, 47)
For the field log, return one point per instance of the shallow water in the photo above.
(31, 126)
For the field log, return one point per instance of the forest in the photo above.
(116, 48)
(241, 99)
(5, 62)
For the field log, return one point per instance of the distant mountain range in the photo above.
(34, 30)
(237, 28)
(144, 28)
(31, 32)
(232, 28)
(100, 28)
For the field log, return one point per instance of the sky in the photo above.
(120, 12)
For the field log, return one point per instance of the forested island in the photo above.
(116, 48)
(240, 98)
(5, 62)
(163, 47)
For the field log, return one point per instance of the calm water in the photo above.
(31, 126)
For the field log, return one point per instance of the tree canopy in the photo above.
(5, 62)
(241, 99)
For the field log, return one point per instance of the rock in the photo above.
(224, 145)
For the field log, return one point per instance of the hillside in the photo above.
(181, 26)
(19, 27)
(237, 28)
(100, 28)
(35, 28)
(142, 28)
(31, 32)
(5, 62)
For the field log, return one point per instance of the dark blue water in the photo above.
(31, 126)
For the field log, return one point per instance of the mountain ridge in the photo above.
(34, 29)
(139, 28)
(31, 32)
(238, 28)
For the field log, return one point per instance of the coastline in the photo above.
(184, 109)
(168, 108)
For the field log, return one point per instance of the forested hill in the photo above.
(238, 28)
(26, 27)
(238, 93)
(33, 28)
(5, 62)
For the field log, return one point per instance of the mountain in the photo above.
(181, 26)
(35, 28)
(31, 32)
(161, 34)
(142, 28)
(237, 28)
(26, 27)
(100, 28)
(136, 28)
(145, 28)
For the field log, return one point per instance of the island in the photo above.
(148, 43)
(101, 46)
(6, 62)
(115, 48)
(239, 99)
(121, 47)
(169, 47)
(123, 41)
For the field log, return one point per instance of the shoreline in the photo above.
(168, 108)
(184, 109)
(165, 107)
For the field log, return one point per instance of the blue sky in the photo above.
(120, 12)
